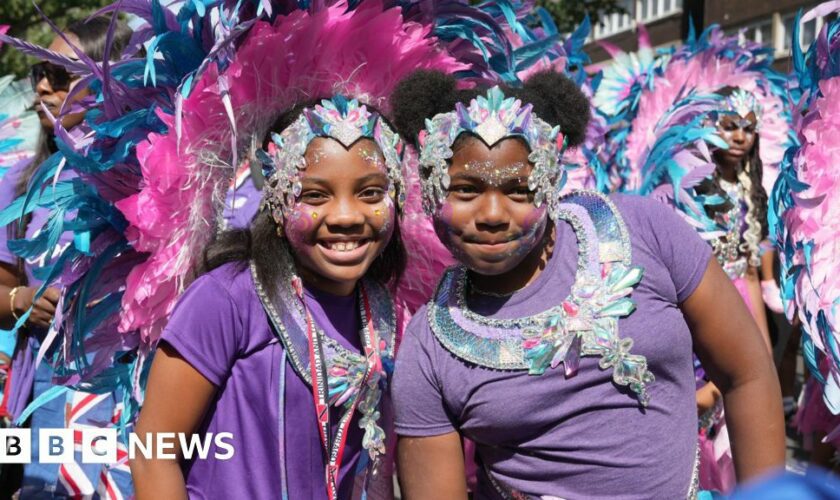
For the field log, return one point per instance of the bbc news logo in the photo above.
(101, 446)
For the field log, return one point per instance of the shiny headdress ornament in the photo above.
(740, 104)
(345, 120)
(492, 117)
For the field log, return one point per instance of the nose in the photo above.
(344, 212)
(491, 213)
(43, 87)
(738, 136)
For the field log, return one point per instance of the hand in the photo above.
(43, 310)
(706, 396)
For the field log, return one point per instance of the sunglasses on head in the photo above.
(57, 76)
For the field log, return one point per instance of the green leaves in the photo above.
(27, 24)
(568, 14)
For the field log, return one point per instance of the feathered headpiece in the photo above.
(660, 106)
(807, 206)
(164, 134)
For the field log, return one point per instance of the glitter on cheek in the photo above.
(532, 232)
(386, 217)
(446, 231)
(299, 228)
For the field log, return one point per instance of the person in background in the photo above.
(18, 283)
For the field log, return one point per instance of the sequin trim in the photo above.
(584, 324)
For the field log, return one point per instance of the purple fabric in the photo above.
(241, 204)
(581, 437)
(221, 329)
(23, 363)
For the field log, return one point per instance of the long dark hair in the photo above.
(261, 244)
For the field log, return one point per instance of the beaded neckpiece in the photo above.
(584, 324)
(346, 369)
(731, 250)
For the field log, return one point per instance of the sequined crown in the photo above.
(741, 103)
(345, 120)
(491, 117)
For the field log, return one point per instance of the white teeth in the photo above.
(343, 246)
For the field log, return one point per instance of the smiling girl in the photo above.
(291, 315)
(562, 343)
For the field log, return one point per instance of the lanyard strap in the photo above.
(334, 447)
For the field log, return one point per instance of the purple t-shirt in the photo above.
(220, 328)
(581, 437)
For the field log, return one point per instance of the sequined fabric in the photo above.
(584, 324)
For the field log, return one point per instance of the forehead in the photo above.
(505, 152)
(60, 46)
(328, 159)
(735, 119)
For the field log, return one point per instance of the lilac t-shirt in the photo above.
(220, 328)
(581, 437)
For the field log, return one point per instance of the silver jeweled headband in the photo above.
(492, 117)
(345, 120)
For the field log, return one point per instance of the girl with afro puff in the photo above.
(561, 344)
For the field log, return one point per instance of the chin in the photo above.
(492, 267)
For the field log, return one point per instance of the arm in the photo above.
(757, 301)
(432, 467)
(173, 383)
(734, 354)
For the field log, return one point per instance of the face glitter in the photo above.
(373, 157)
(495, 175)
(298, 228)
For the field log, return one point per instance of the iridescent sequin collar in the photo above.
(584, 324)
(346, 368)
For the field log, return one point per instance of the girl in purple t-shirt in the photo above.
(562, 344)
(287, 341)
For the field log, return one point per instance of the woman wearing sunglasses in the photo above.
(53, 87)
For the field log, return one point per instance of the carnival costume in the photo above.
(19, 125)
(803, 210)
(664, 108)
(166, 135)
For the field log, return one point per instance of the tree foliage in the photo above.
(26, 23)
(569, 13)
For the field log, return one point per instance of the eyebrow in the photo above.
(468, 176)
(378, 176)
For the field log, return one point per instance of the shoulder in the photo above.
(224, 291)
(640, 209)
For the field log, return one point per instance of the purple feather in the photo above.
(71, 65)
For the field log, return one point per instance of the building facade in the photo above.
(668, 23)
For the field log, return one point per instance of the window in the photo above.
(760, 32)
(636, 11)
(807, 32)
(651, 10)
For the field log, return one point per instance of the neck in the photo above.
(728, 171)
(320, 283)
(522, 275)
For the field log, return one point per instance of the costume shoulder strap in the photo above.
(610, 229)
